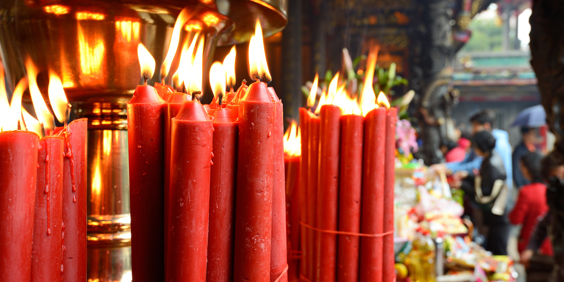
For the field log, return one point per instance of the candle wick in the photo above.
(19, 125)
(184, 88)
(42, 129)
(68, 113)
(23, 120)
(196, 95)
(220, 99)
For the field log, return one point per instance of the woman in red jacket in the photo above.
(531, 202)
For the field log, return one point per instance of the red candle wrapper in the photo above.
(222, 195)
(47, 251)
(372, 206)
(18, 176)
(304, 133)
(279, 249)
(313, 151)
(255, 180)
(171, 109)
(389, 178)
(74, 201)
(145, 119)
(350, 196)
(328, 191)
(191, 158)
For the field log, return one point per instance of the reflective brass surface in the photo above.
(109, 264)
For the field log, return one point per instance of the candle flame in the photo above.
(258, 67)
(368, 97)
(31, 123)
(383, 100)
(229, 65)
(41, 109)
(323, 100)
(195, 76)
(16, 104)
(183, 17)
(351, 107)
(186, 61)
(333, 86)
(56, 9)
(57, 97)
(292, 140)
(146, 61)
(313, 92)
(217, 79)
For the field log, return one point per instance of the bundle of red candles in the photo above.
(42, 186)
(346, 186)
(207, 181)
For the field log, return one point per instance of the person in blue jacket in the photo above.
(481, 121)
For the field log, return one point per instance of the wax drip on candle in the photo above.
(47, 179)
(63, 244)
(70, 156)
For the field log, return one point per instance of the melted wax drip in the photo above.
(70, 156)
(47, 180)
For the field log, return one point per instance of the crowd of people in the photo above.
(507, 187)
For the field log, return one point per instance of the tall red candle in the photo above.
(292, 170)
(279, 249)
(255, 177)
(18, 176)
(313, 151)
(191, 158)
(222, 195)
(171, 109)
(372, 214)
(350, 196)
(328, 192)
(47, 251)
(74, 201)
(304, 133)
(146, 168)
(389, 178)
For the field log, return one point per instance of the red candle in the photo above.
(172, 107)
(222, 195)
(146, 168)
(47, 251)
(372, 218)
(313, 151)
(350, 196)
(328, 191)
(253, 223)
(191, 158)
(389, 178)
(292, 169)
(74, 201)
(279, 251)
(303, 176)
(18, 176)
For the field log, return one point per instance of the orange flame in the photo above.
(332, 90)
(292, 141)
(186, 61)
(313, 92)
(195, 76)
(41, 109)
(57, 97)
(229, 65)
(383, 100)
(146, 61)
(217, 79)
(323, 100)
(180, 22)
(16, 104)
(258, 67)
(5, 117)
(351, 107)
(31, 123)
(368, 97)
